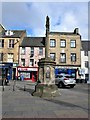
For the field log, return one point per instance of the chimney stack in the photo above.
(76, 31)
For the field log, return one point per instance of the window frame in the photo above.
(11, 43)
(64, 58)
(32, 51)
(2, 43)
(40, 50)
(86, 64)
(62, 41)
(72, 55)
(32, 60)
(23, 62)
(1, 56)
(85, 53)
(23, 51)
(54, 56)
(74, 43)
(10, 59)
(52, 43)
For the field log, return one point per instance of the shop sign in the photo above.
(27, 69)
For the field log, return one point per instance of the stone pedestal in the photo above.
(46, 87)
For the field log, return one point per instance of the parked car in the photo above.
(63, 80)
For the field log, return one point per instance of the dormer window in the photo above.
(8, 33)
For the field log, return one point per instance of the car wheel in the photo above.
(72, 86)
(60, 85)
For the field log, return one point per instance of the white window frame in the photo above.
(52, 43)
(73, 43)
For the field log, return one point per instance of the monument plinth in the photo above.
(46, 86)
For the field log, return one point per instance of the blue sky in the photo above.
(30, 16)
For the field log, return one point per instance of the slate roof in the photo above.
(64, 33)
(16, 34)
(33, 42)
(85, 45)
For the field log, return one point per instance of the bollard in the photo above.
(3, 87)
(14, 85)
(24, 88)
(3, 84)
(13, 88)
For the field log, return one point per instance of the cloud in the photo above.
(64, 16)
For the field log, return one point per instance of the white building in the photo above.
(85, 51)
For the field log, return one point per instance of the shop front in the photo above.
(6, 70)
(29, 73)
(70, 71)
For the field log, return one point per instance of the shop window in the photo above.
(23, 62)
(73, 43)
(73, 57)
(1, 43)
(40, 51)
(11, 43)
(52, 56)
(63, 57)
(10, 57)
(52, 43)
(1, 56)
(62, 43)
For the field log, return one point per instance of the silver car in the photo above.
(63, 80)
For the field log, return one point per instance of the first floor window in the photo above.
(23, 50)
(31, 62)
(1, 56)
(73, 57)
(23, 62)
(11, 43)
(86, 64)
(63, 57)
(86, 53)
(32, 51)
(1, 43)
(52, 56)
(10, 57)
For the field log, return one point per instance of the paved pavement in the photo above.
(17, 103)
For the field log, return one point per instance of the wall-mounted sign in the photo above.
(27, 69)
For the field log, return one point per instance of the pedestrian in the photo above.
(22, 77)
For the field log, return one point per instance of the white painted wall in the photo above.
(83, 59)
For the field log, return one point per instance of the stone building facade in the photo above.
(64, 49)
(9, 49)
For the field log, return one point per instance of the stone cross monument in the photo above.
(46, 86)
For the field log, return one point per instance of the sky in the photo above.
(31, 16)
